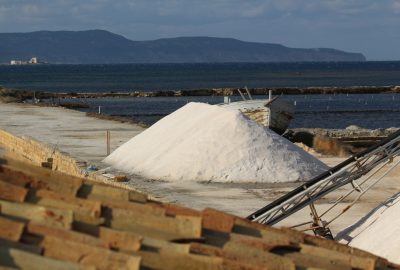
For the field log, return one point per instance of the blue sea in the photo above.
(324, 111)
(311, 111)
(131, 77)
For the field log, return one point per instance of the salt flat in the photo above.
(66, 130)
(84, 138)
(243, 199)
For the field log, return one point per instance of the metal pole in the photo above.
(248, 92)
(108, 143)
(269, 94)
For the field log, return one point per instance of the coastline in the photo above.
(21, 95)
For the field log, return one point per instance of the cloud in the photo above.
(252, 11)
(174, 12)
(396, 5)
(345, 24)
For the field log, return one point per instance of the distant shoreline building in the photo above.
(32, 61)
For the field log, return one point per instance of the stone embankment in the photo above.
(338, 142)
(350, 132)
(10, 95)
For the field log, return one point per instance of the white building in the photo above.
(16, 62)
(33, 60)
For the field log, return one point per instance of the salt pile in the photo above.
(378, 232)
(202, 142)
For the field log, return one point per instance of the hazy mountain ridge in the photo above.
(103, 47)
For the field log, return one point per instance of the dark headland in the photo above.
(103, 47)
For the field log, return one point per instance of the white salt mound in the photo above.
(202, 142)
(378, 232)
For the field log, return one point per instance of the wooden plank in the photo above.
(217, 220)
(9, 176)
(249, 257)
(7, 268)
(178, 227)
(40, 178)
(152, 260)
(284, 236)
(316, 262)
(20, 246)
(277, 238)
(198, 248)
(12, 192)
(246, 230)
(15, 258)
(87, 219)
(120, 240)
(148, 231)
(146, 209)
(245, 245)
(163, 245)
(40, 229)
(176, 210)
(67, 187)
(259, 243)
(236, 251)
(339, 257)
(31, 239)
(135, 196)
(274, 235)
(255, 257)
(110, 237)
(331, 245)
(82, 208)
(234, 264)
(10, 230)
(88, 255)
(45, 215)
(103, 193)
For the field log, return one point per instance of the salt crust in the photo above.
(377, 232)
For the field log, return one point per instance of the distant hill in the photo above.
(103, 47)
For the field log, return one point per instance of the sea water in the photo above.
(153, 77)
(321, 111)
(311, 111)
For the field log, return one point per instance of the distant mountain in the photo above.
(102, 47)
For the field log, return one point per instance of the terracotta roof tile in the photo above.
(53, 221)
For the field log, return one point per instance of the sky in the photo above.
(371, 27)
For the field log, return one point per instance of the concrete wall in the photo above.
(39, 154)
